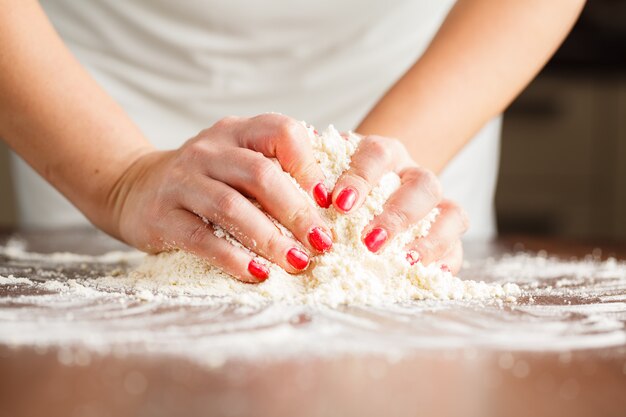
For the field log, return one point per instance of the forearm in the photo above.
(485, 53)
(55, 116)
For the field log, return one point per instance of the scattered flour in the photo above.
(348, 274)
(16, 249)
(566, 305)
(11, 281)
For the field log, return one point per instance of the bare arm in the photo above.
(485, 53)
(55, 116)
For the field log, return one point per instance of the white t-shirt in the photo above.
(177, 67)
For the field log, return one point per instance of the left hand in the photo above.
(419, 192)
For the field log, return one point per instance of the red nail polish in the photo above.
(413, 257)
(445, 268)
(375, 239)
(315, 131)
(346, 199)
(320, 192)
(258, 270)
(320, 240)
(297, 258)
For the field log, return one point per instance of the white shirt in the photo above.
(177, 67)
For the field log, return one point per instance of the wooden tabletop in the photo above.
(439, 359)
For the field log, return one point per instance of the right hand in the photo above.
(171, 199)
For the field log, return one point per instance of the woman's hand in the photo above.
(171, 199)
(418, 194)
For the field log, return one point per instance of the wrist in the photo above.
(103, 206)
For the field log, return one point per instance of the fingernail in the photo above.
(320, 192)
(413, 257)
(375, 239)
(346, 199)
(258, 270)
(297, 258)
(320, 240)
(445, 268)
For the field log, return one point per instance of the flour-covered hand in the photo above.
(419, 192)
(176, 199)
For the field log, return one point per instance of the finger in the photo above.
(192, 234)
(224, 206)
(451, 223)
(418, 194)
(452, 261)
(281, 137)
(374, 157)
(257, 176)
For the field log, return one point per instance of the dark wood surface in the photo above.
(462, 381)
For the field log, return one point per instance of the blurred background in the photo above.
(563, 165)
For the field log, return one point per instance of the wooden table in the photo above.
(358, 371)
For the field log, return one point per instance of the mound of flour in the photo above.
(348, 274)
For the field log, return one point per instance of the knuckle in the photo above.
(228, 204)
(225, 122)
(300, 216)
(197, 235)
(310, 170)
(396, 219)
(271, 117)
(193, 151)
(263, 172)
(411, 175)
(431, 184)
(289, 129)
(356, 177)
(203, 134)
(274, 245)
(196, 151)
(306, 173)
(380, 148)
(446, 204)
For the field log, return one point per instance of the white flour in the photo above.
(175, 304)
(348, 274)
(566, 305)
(15, 249)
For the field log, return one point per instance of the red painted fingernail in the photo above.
(258, 270)
(346, 199)
(315, 131)
(297, 258)
(375, 239)
(445, 268)
(413, 257)
(320, 192)
(320, 240)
